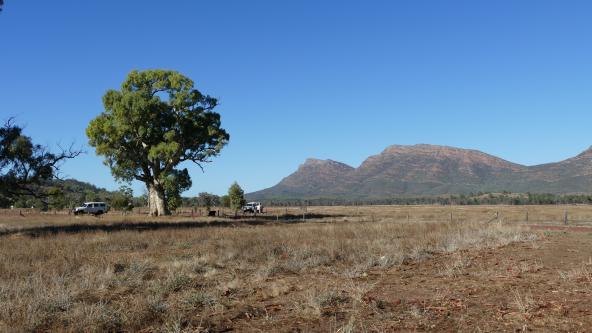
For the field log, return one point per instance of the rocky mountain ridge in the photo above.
(423, 169)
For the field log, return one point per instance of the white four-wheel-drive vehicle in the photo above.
(253, 207)
(95, 208)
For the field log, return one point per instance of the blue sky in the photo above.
(325, 79)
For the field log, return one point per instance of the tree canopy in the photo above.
(123, 199)
(25, 167)
(208, 200)
(156, 121)
(236, 196)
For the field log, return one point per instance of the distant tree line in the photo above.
(69, 193)
(235, 199)
(60, 194)
(504, 198)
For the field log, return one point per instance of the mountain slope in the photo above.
(314, 178)
(429, 170)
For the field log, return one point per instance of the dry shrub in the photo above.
(523, 302)
(456, 266)
(581, 274)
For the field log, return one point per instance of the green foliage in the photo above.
(504, 198)
(236, 196)
(225, 201)
(90, 195)
(26, 168)
(123, 199)
(174, 184)
(156, 121)
(208, 200)
(57, 198)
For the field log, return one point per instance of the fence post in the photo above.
(565, 218)
(451, 217)
(407, 217)
(526, 216)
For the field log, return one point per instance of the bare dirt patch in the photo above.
(542, 286)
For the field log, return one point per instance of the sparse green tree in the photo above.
(26, 168)
(236, 197)
(176, 183)
(225, 201)
(155, 122)
(56, 198)
(123, 199)
(206, 200)
(91, 196)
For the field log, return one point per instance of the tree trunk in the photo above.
(157, 201)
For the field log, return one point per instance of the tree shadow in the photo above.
(289, 217)
(148, 226)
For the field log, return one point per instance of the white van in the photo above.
(95, 208)
(253, 207)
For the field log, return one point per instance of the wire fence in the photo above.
(531, 215)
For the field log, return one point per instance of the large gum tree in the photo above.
(155, 122)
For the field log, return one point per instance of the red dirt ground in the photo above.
(544, 285)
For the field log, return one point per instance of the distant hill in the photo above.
(73, 192)
(421, 170)
(73, 187)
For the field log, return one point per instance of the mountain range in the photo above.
(425, 170)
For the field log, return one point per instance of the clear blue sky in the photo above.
(325, 79)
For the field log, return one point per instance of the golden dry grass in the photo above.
(536, 214)
(199, 279)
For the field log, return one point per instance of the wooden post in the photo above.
(450, 217)
(565, 218)
(526, 216)
(407, 217)
(497, 215)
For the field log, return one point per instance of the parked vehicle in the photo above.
(95, 208)
(253, 207)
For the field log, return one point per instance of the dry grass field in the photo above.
(326, 269)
